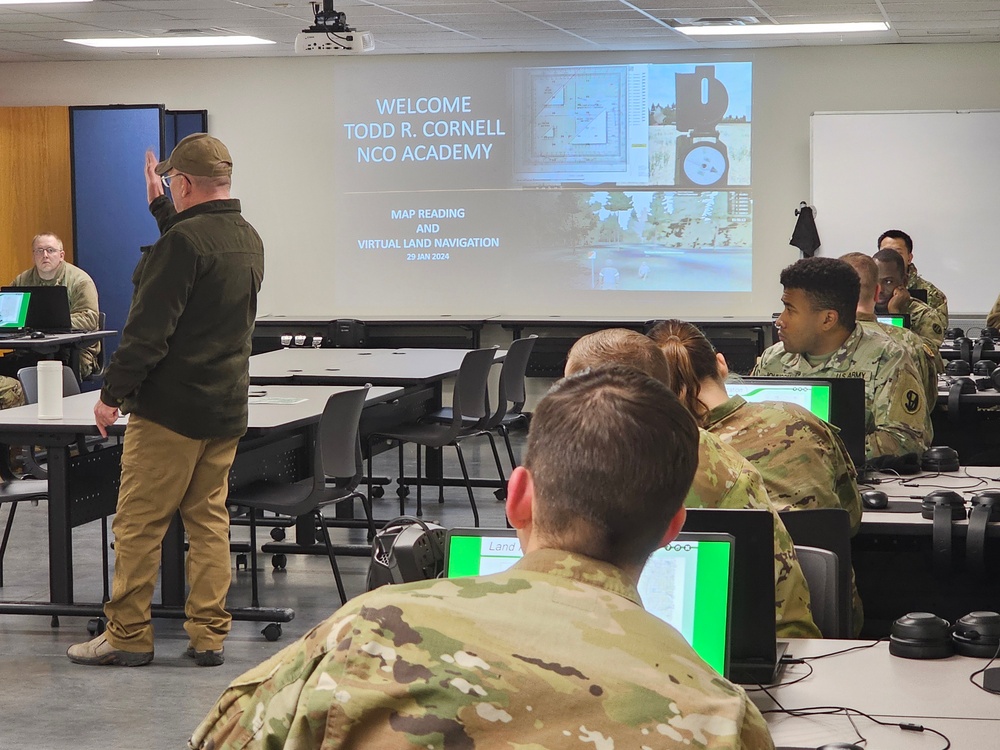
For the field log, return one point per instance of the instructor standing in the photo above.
(181, 372)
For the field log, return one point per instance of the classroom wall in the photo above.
(276, 116)
(34, 183)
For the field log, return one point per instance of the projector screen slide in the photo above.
(567, 187)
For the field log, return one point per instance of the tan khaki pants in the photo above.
(163, 472)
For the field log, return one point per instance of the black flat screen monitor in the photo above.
(49, 308)
(846, 403)
(753, 644)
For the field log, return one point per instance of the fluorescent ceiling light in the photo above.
(790, 28)
(40, 2)
(172, 41)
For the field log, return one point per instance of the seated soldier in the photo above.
(724, 478)
(819, 337)
(894, 297)
(902, 243)
(925, 357)
(801, 458)
(558, 649)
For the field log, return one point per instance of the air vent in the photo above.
(726, 21)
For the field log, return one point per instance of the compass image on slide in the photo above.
(706, 164)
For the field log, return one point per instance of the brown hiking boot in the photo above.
(205, 658)
(98, 652)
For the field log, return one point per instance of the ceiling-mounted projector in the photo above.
(330, 34)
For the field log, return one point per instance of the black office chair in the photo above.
(101, 365)
(512, 391)
(829, 529)
(28, 376)
(469, 416)
(336, 475)
(821, 569)
(14, 490)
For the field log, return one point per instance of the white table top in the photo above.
(905, 494)
(54, 340)
(78, 410)
(378, 366)
(403, 319)
(873, 681)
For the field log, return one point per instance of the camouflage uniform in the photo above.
(725, 479)
(927, 359)
(801, 458)
(553, 653)
(11, 394)
(898, 418)
(83, 310)
(927, 322)
(935, 297)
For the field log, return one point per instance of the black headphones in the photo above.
(943, 507)
(985, 508)
(977, 634)
(961, 384)
(939, 458)
(922, 635)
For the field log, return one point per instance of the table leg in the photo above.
(172, 564)
(60, 529)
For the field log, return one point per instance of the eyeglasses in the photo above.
(168, 178)
(46, 250)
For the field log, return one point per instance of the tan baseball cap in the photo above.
(199, 154)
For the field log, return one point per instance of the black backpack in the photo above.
(406, 549)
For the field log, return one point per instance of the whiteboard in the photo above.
(932, 174)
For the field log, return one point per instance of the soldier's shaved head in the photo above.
(612, 454)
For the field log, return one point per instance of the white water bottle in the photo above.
(50, 389)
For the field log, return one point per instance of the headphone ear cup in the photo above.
(995, 377)
(921, 635)
(977, 634)
(966, 350)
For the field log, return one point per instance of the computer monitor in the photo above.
(13, 309)
(688, 583)
(918, 293)
(900, 320)
(48, 309)
(754, 652)
(847, 405)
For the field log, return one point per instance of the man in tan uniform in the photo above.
(52, 269)
(555, 652)
(894, 298)
(820, 338)
(902, 243)
(724, 478)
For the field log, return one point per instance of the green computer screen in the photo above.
(893, 320)
(14, 309)
(687, 583)
(813, 396)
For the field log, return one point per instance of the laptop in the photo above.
(688, 583)
(13, 313)
(49, 308)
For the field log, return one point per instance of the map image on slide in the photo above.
(751, 392)
(578, 116)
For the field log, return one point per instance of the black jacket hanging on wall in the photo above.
(804, 236)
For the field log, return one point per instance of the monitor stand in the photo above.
(759, 672)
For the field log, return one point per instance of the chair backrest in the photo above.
(511, 390)
(337, 445)
(29, 383)
(471, 399)
(829, 529)
(822, 571)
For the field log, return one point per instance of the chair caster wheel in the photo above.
(277, 533)
(272, 632)
(403, 491)
(95, 625)
(241, 561)
(279, 561)
(54, 622)
(378, 491)
(500, 494)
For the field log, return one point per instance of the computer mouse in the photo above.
(840, 746)
(37, 335)
(874, 500)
